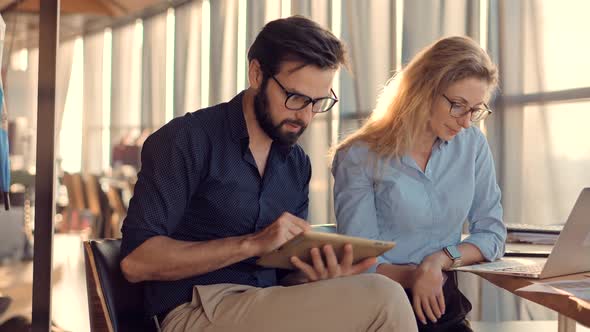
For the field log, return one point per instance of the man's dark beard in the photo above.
(265, 122)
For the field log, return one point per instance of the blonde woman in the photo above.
(417, 170)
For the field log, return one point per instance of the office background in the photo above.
(116, 85)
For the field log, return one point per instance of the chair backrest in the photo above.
(75, 188)
(114, 304)
(98, 204)
(91, 188)
(115, 200)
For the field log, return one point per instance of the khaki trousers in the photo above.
(366, 302)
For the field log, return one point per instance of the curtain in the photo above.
(187, 58)
(223, 68)
(367, 26)
(425, 21)
(92, 115)
(318, 10)
(544, 155)
(65, 57)
(126, 82)
(153, 101)
(260, 12)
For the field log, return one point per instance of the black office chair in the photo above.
(114, 304)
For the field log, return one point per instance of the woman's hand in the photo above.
(428, 299)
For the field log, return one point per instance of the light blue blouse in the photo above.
(422, 212)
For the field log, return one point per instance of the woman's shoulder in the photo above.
(356, 155)
(356, 151)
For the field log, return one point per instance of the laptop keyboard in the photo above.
(535, 268)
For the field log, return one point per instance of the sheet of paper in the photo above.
(541, 288)
(575, 288)
(501, 264)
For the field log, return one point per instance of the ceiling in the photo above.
(77, 17)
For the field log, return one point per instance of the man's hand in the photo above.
(286, 227)
(428, 299)
(331, 268)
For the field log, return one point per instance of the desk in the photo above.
(569, 310)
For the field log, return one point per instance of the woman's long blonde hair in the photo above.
(403, 108)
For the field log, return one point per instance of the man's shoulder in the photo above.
(200, 124)
(215, 113)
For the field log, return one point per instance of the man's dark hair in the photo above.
(296, 38)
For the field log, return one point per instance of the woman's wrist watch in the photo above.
(454, 254)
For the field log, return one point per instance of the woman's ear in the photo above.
(254, 74)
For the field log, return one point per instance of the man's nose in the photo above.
(305, 114)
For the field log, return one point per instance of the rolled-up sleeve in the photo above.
(171, 165)
(354, 195)
(487, 230)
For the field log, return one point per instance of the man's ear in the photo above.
(254, 74)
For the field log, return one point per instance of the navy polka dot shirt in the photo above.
(199, 182)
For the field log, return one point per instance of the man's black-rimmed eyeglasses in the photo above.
(296, 101)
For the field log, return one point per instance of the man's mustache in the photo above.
(293, 122)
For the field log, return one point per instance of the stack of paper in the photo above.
(529, 237)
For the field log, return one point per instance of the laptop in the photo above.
(570, 254)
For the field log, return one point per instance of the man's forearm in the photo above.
(163, 258)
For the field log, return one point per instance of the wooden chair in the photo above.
(98, 204)
(77, 217)
(115, 199)
(114, 304)
(75, 187)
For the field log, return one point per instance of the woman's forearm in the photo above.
(470, 254)
(403, 274)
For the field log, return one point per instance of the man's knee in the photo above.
(382, 287)
(388, 303)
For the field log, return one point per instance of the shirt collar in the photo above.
(440, 144)
(237, 122)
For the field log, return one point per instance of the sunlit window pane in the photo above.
(556, 50)
(71, 126)
(555, 161)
